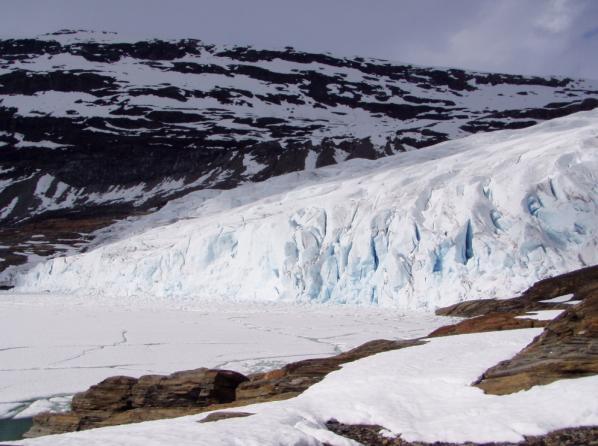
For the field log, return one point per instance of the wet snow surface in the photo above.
(56, 345)
(422, 393)
(483, 216)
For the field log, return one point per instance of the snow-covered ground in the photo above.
(542, 315)
(422, 393)
(483, 216)
(53, 345)
(559, 299)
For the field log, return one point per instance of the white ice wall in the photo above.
(478, 217)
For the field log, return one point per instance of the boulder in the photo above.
(122, 400)
(191, 388)
(111, 395)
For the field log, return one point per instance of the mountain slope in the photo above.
(484, 216)
(92, 125)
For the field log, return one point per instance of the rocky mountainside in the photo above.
(94, 128)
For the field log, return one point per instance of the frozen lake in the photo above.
(52, 346)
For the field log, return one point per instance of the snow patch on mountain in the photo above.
(479, 217)
(155, 111)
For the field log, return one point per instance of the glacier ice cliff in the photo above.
(483, 216)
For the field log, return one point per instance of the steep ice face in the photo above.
(480, 217)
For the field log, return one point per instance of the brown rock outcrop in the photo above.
(111, 395)
(191, 388)
(49, 423)
(567, 348)
(122, 399)
(502, 314)
(489, 322)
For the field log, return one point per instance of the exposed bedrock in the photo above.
(122, 399)
(568, 346)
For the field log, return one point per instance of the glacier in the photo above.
(483, 216)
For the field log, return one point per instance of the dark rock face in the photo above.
(95, 127)
(200, 387)
(369, 435)
(53, 234)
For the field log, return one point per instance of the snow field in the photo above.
(422, 393)
(52, 346)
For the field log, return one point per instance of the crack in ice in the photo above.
(96, 348)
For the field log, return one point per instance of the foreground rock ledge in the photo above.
(567, 348)
(122, 399)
